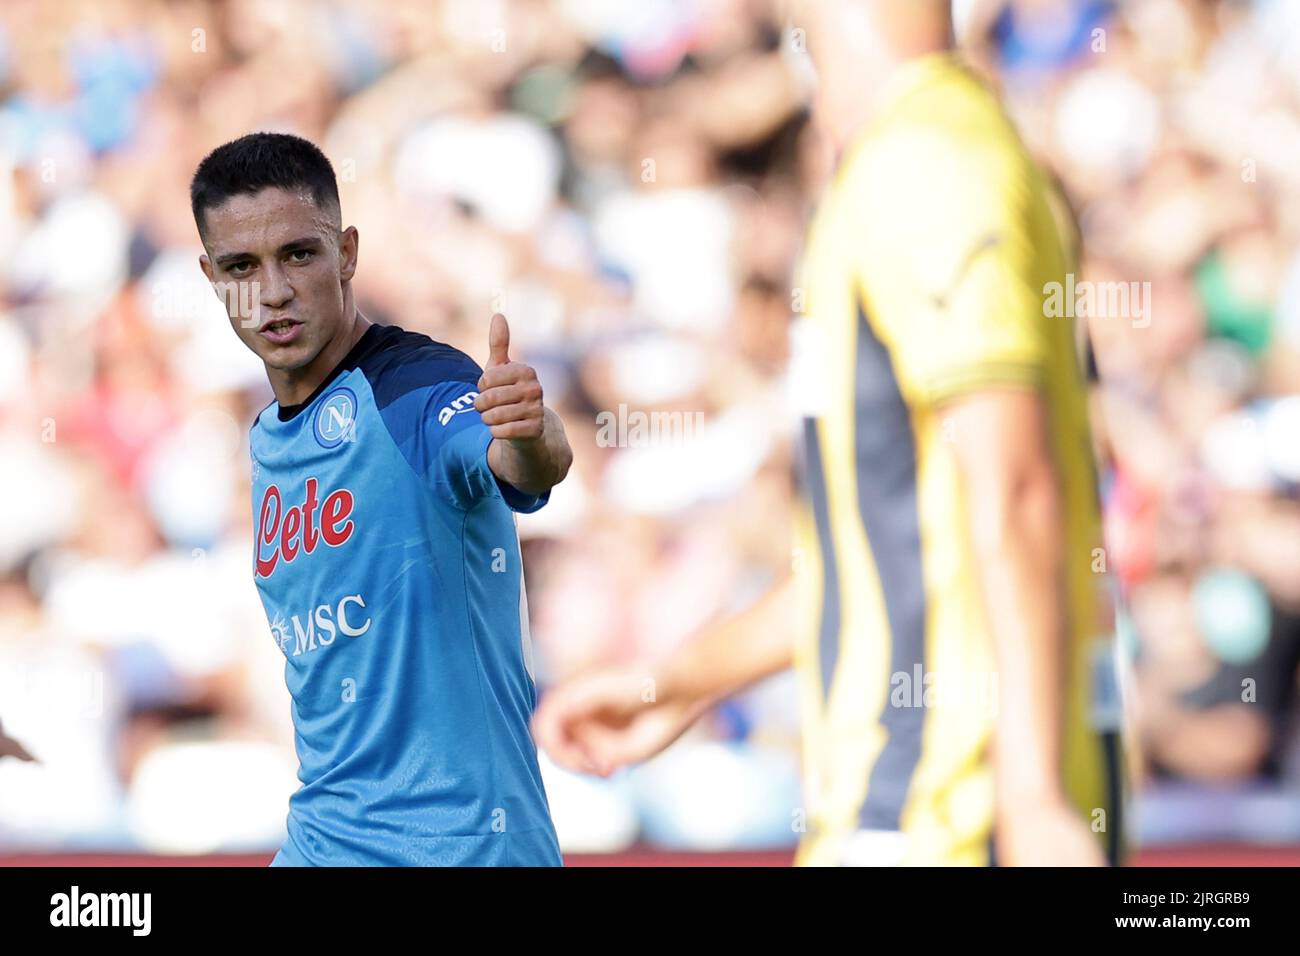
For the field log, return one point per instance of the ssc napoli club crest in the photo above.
(336, 418)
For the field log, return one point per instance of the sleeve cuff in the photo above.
(941, 388)
(517, 500)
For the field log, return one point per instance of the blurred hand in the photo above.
(1047, 835)
(601, 721)
(12, 748)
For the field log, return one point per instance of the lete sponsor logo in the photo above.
(285, 531)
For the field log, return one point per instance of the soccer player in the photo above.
(944, 616)
(385, 474)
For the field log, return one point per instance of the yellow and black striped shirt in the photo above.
(924, 279)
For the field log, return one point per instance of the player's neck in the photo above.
(856, 112)
(294, 386)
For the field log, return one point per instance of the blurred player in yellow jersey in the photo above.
(949, 631)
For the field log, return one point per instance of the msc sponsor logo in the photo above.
(323, 624)
(336, 418)
(285, 531)
(463, 404)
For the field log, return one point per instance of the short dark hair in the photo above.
(258, 161)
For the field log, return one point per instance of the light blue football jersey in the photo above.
(388, 562)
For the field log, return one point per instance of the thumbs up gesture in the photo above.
(509, 394)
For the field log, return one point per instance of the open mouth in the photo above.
(281, 331)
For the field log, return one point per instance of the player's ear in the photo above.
(206, 265)
(348, 244)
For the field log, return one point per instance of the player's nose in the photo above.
(275, 289)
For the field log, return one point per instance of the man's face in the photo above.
(279, 262)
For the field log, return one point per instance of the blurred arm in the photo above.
(737, 652)
(1016, 532)
(609, 718)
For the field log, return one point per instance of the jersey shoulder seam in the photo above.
(411, 360)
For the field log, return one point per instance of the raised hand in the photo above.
(509, 394)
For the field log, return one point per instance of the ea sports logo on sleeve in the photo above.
(336, 418)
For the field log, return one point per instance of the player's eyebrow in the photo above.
(307, 242)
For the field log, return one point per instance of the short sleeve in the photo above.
(431, 416)
(951, 263)
(461, 463)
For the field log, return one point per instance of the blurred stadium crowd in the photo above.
(628, 181)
